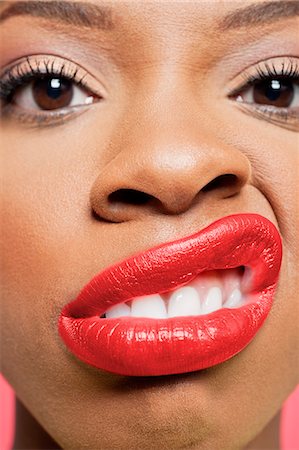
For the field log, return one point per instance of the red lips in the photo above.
(143, 346)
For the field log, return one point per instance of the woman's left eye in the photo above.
(278, 92)
(48, 93)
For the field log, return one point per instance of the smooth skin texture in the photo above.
(165, 126)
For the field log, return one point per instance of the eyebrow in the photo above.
(260, 14)
(89, 15)
(82, 14)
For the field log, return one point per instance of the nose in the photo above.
(166, 170)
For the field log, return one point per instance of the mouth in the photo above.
(179, 307)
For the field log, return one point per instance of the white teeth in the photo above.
(231, 281)
(118, 310)
(234, 299)
(205, 294)
(150, 306)
(184, 302)
(247, 280)
(205, 281)
(213, 301)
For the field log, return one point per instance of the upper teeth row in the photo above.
(205, 294)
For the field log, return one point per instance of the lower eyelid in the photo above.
(282, 117)
(41, 118)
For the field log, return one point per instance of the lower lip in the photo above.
(146, 347)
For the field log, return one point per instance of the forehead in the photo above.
(158, 25)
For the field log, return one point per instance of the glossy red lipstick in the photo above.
(140, 346)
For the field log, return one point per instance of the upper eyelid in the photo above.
(48, 64)
(243, 78)
(93, 83)
(257, 63)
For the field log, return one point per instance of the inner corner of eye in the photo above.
(90, 99)
(236, 96)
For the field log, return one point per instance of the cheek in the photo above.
(283, 328)
(276, 174)
(32, 285)
(40, 198)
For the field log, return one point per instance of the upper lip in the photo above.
(247, 240)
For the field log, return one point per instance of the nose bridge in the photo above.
(165, 150)
(163, 138)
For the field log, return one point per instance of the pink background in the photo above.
(289, 434)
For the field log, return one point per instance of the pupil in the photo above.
(54, 88)
(52, 93)
(275, 92)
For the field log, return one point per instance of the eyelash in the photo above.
(17, 76)
(36, 68)
(265, 71)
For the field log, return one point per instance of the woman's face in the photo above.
(170, 102)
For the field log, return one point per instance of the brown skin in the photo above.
(167, 128)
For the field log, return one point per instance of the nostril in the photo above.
(222, 181)
(129, 197)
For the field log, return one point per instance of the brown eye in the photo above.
(275, 92)
(52, 93)
(278, 92)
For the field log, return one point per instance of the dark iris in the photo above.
(52, 93)
(275, 92)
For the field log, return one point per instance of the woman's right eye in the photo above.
(41, 90)
(49, 93)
